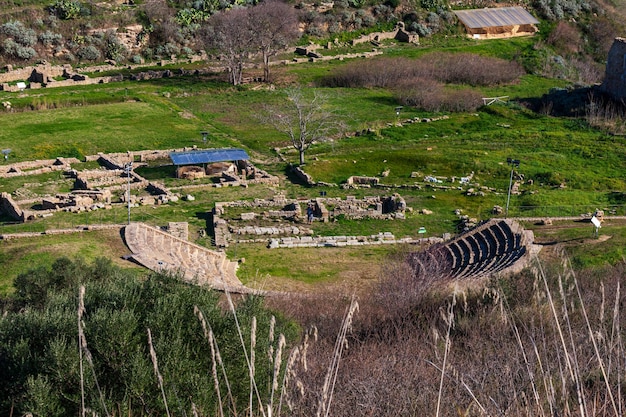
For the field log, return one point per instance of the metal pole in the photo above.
(128, 168)
(508, 199)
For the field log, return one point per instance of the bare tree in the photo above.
(275, 26)
(228, 35)
(304, 120)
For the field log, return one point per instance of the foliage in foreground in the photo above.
(546, 342)
(41, 361)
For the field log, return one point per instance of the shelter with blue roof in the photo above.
(200, 158)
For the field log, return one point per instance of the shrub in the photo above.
(113, 49)
(88, 53)
(434, 97)
(49, 38)
(314, 31)
(19, 33)
(18, 51)
(66, 9)
(430, 4)
(368, 20)
(565, 38)
(561, 9)
(419, 82)
(421, 29)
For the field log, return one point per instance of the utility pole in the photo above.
(514, 164)
(128, 167)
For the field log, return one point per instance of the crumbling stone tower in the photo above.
(615, 79)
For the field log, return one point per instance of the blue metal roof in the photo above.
(208, 156)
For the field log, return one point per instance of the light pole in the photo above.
(398, 110)
(128, 167)
(514, 164)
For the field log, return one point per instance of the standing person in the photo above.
(309, 214)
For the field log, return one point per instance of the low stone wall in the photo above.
(36, 167)
(399, 34)
(306, 178)
(358, 180)
(277, 230)
(9, 207)
(385, 238)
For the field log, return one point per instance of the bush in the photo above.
(562, 9)
(16, 50)
(434, 97)
(49, 38)
(421, 29)
(66, 9)
(471, 69)
(88, 53)
(113, 49)
(19, 33)
(40, 359)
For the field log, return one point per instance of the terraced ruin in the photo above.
(161, 251)
(498, 246)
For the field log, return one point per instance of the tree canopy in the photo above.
(41, 361)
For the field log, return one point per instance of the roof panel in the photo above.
(494, 17)
(208, 156)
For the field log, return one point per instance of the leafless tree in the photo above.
(275, 26)
(305, 119)
(228, 35)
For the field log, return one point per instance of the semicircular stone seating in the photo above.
(495, 246)
(163, 252)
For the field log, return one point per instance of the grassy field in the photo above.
(568, 167)
(19, 255)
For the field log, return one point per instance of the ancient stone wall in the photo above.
(400, 34)
(36, 167)
(9, 207)
(615, 78)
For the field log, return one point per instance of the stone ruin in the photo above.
(19, 169)
(280, 209)
(399, 33)
(10, 208)
(160, 251)
(228, 173)
(77, 200)
(497, 246)
(615, 78)
(94, 188)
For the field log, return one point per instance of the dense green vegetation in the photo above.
(43, 370)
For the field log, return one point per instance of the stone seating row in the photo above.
(160, 251)
(489, 248)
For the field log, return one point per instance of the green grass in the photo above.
(583, 248)
(308, 266)
(37, 185)
(20, 255)
(79, 131)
